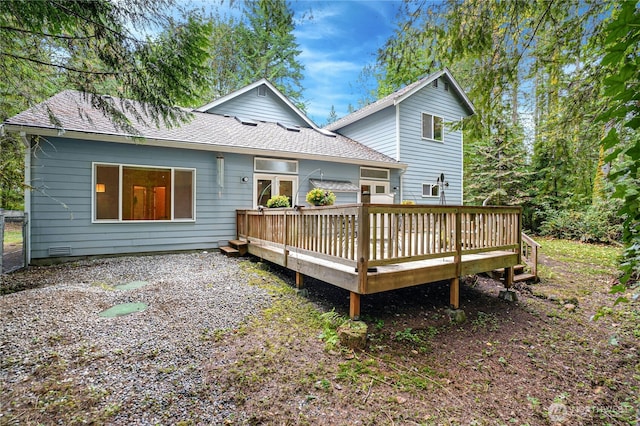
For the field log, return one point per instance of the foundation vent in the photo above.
(59, 251)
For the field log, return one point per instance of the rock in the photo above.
(570, 307)
(508, 295)
(353, 334)
(456, 315)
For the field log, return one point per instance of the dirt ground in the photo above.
(538, 361)
(534, 362)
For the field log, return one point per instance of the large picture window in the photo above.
(432, 127)
(141, 193)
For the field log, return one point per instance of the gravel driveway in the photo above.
(148, 367)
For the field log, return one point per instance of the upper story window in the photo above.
(371, 173)
(262, 91)
(435, 83)
(432, 127)
(141, 193)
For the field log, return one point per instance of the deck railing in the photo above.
(372, 235)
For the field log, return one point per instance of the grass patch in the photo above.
(12, 235)
(604, 258)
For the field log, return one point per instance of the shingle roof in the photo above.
(205, 131)
(396, 97)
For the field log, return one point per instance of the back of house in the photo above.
(97, 190)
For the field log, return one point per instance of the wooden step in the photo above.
(241, 246)
(229, 251)
(523, 277)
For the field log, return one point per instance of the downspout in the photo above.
(398, 153)
(27, 196)
(462, 161)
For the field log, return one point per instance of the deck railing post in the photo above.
(364, 240)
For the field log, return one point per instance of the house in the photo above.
(420, 126)
(96, 190)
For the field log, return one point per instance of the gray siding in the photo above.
(377, 131)
(262, 108)
(426, 159)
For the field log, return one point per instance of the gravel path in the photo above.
(145, 368)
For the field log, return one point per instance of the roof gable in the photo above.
(399, 96)
(287, 107)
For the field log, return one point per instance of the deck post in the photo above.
(454, 292)
(454, 284)
(508, 277)
(364, 242)
(299, 280)
(354, 305)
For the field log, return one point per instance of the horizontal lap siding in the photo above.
(376, 131)
(61, 199)
(263, 108)
(427, 159)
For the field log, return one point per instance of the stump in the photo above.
(353, 334)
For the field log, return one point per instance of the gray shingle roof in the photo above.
(204, 131)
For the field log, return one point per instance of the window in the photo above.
(430, 190)
(432, 127)
(446, 86)
(139, 193)
(275, 166)
(262, 91)
(435, 83)
(369, 173)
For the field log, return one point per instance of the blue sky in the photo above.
(337, 43)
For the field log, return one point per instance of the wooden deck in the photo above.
(368, 248)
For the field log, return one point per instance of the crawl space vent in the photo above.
(59, 251)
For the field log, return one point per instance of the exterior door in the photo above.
(267, 186)
(370, 188)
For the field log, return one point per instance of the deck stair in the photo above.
(527, 272)
(236, 248)
(519, 274)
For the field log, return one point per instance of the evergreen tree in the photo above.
(269, 49)
(333, 117)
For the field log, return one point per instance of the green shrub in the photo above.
(320, 197)
(598, 223)
(278, 201)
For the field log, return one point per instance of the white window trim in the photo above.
(431, 186)
(275, 180)
(144, 166)
(255, 168)
(373, 178)
(432, 124)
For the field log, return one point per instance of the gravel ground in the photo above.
(146, 367)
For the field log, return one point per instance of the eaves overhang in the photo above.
(201, 146)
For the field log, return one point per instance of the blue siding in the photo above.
(262, 108)
(427, 159)
(377, 131)
(61, 198)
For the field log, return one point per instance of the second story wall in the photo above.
(428, 158)
(377, 131)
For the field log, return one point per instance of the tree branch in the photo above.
(58, 36)
(65, 67)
